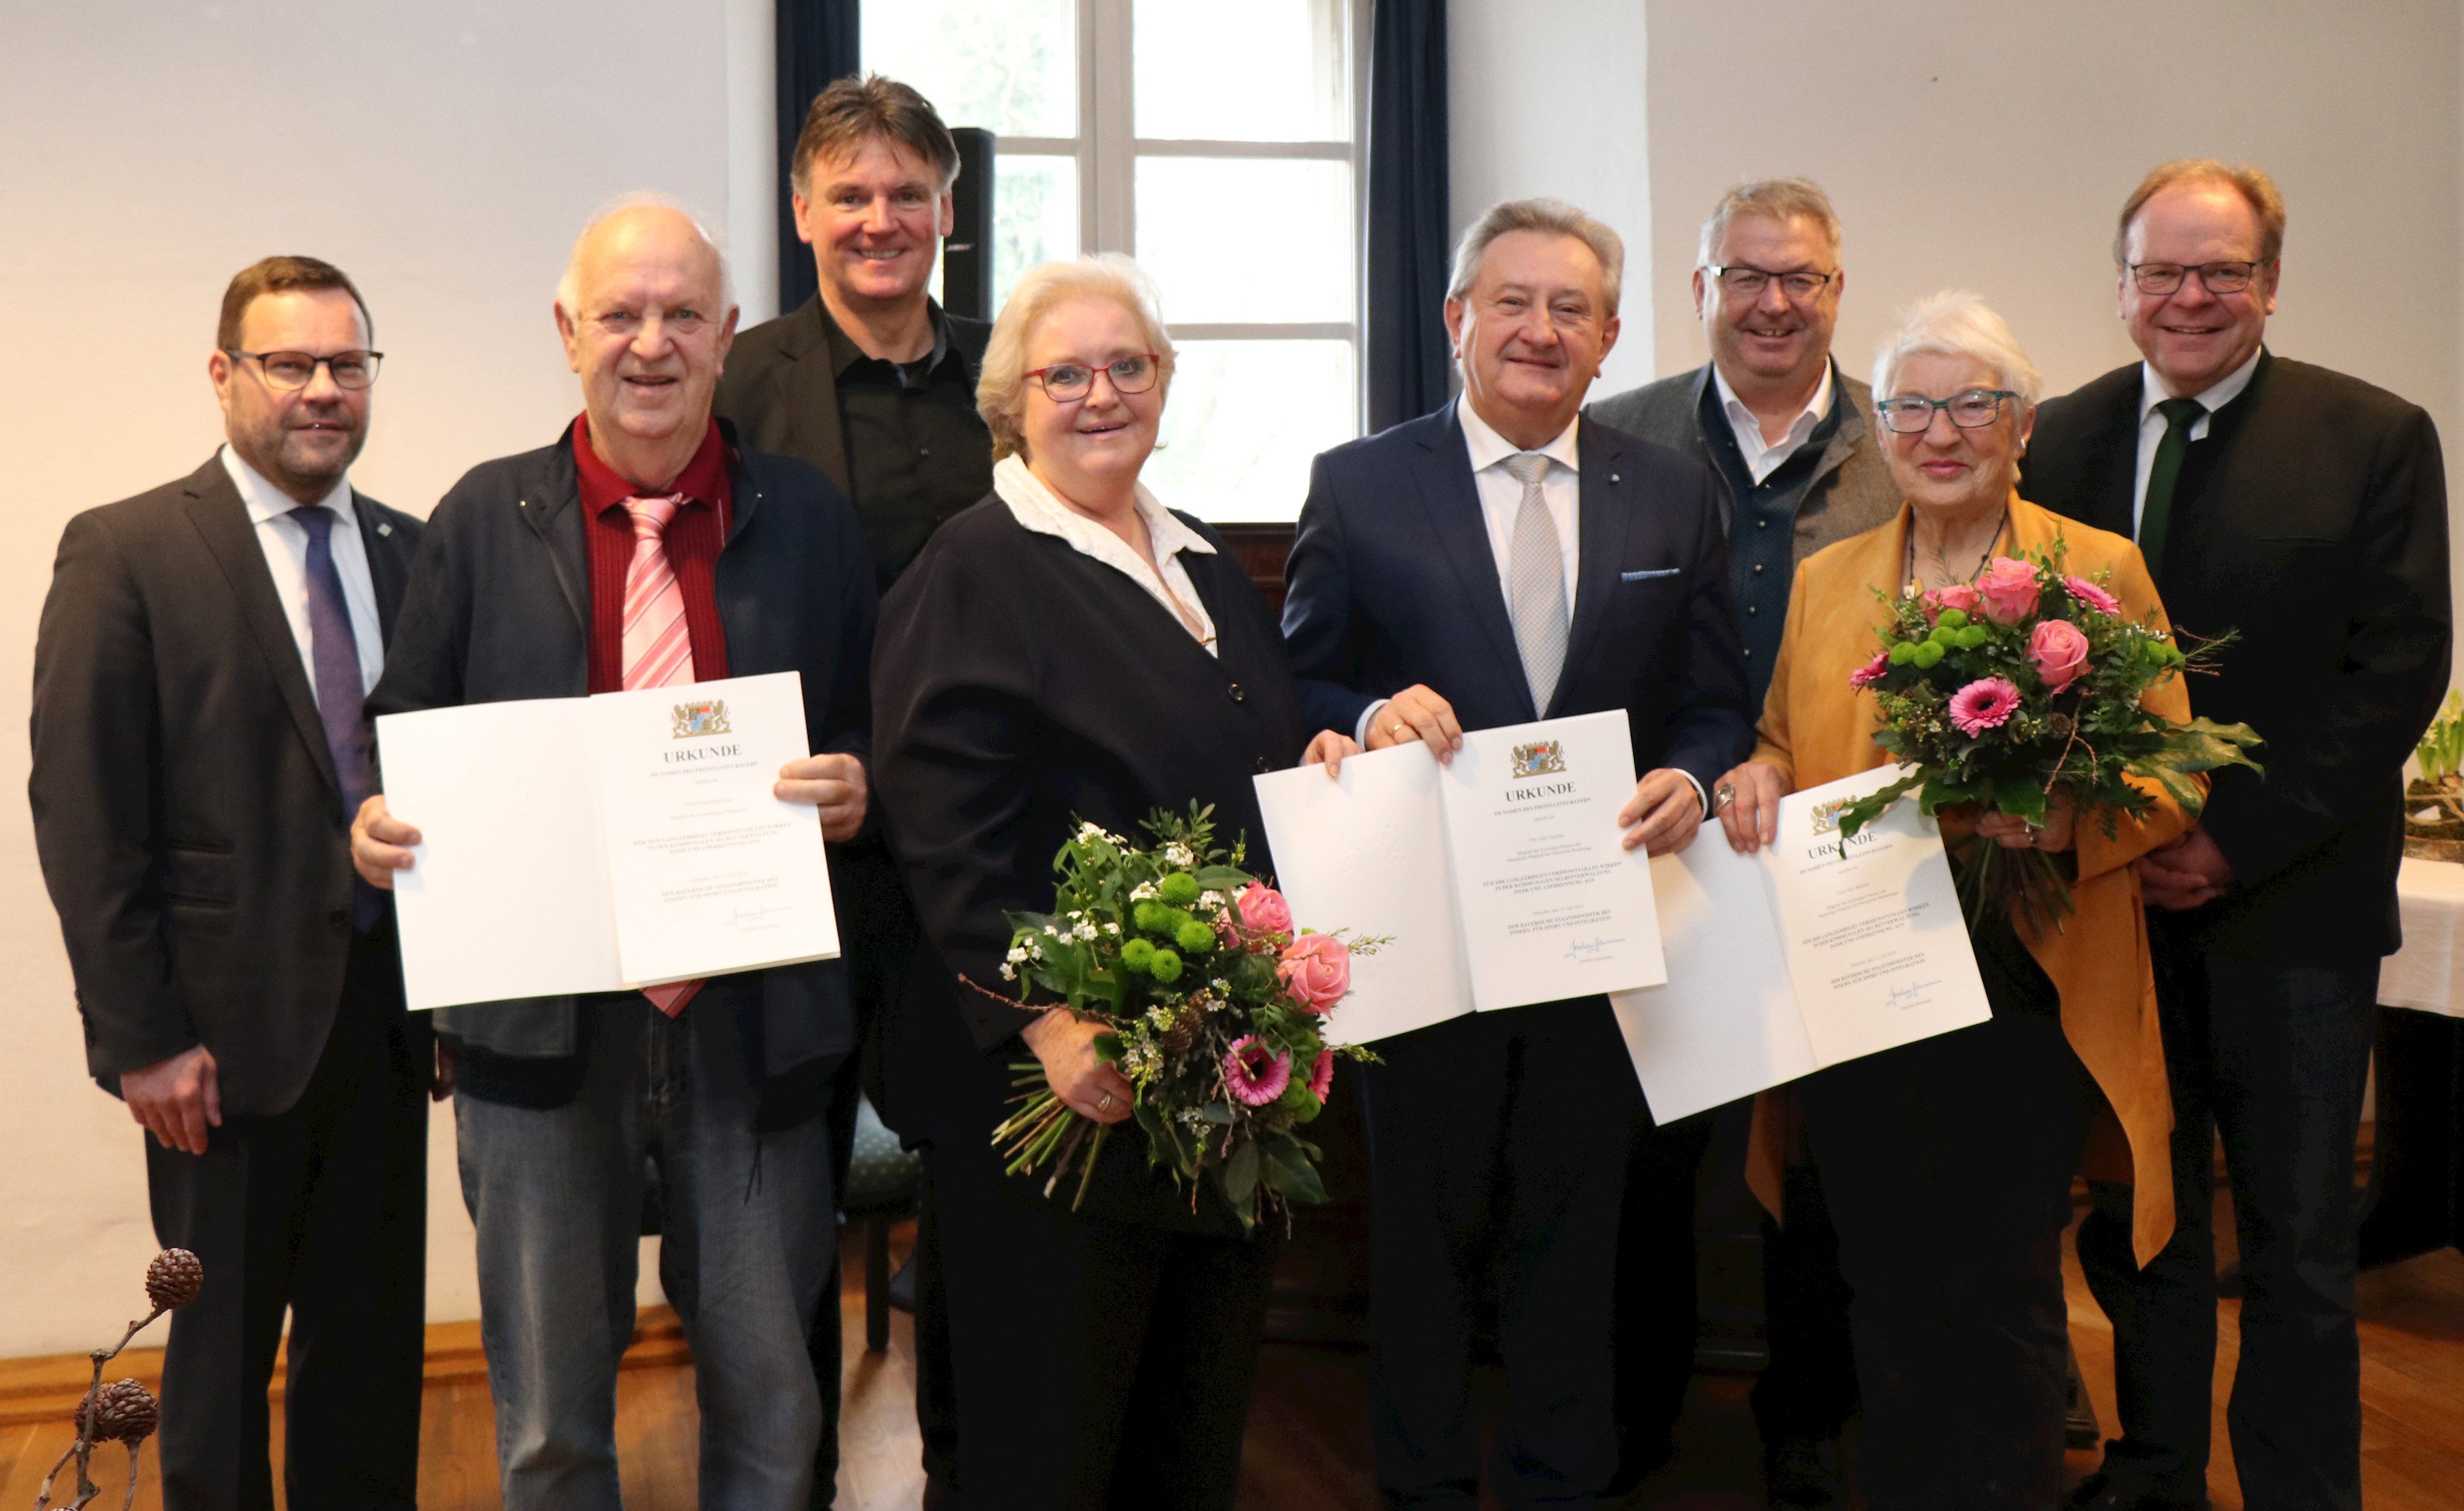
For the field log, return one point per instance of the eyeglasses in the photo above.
(1069, 382)
(2218, 277)
(287, 370)
(1747, 282)
(1971, 410)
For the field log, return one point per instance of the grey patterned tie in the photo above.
(1536, 568)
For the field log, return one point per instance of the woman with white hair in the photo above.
(1949, 1162)
(1069, 650)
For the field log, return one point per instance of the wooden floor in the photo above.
(1308, 1443)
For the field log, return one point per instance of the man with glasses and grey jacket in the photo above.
(1791, 439)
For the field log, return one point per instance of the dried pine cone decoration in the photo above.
(174, 1279)
(124, 1411)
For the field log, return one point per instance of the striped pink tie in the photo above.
(658, 647)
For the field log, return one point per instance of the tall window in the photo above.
(1217, 144)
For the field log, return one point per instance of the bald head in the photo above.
(646, 318)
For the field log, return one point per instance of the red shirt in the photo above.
(692, 540)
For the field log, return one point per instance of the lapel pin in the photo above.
(1614, 478)
(384, 528)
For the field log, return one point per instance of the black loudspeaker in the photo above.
(967, 255)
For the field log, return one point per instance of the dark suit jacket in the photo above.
(780, 388)
(186, 815)
(1021, 686)
(2312, 519)
(1393, 582)
(498, 607)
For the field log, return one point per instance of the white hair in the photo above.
(1547, 217)
(1958, 324)
(568, 288)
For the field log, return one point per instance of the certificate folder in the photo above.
(594, 844)
(1799, 955)
(1499, 880)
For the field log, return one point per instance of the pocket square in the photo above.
(1648, 574)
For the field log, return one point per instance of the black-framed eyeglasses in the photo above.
(1069, 382)
(288, 371)
(1970, 410)
(1743, 282)
(2218, 277)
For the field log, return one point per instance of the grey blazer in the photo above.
(1851, 491)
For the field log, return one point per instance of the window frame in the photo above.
(1106, 154)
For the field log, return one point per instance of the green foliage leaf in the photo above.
(1240, 1176)
(1289, 1173)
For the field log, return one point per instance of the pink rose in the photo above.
(1868, 675)
(2059, 650)
(2090, 594)
(1962, 596)
(1316, 970)
(2009, 588)
(1262, 910)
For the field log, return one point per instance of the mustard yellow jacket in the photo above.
(1817, 730)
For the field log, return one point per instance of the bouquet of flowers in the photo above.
(1214, 1002)
(2028, 679)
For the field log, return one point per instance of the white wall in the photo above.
(1548, 99)
(444, 154)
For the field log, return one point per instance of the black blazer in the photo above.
(186, 815)
(1021, 686)
(498, 607)
(779, 390)
(1393, 582)
(2311, 518)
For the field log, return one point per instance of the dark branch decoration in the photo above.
(124, 1411)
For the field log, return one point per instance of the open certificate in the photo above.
(1500, 878)
(594, 844)
(1799, 955)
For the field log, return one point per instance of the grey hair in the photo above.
(1958, 324)
(568, 288)
(1552, 217)
(1782, 199)
(1000, 390)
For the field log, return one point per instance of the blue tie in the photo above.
(341, 698)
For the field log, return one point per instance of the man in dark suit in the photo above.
(646, 548)
(874, 384)
(1490, 564)
(2307, 511)
(1790, 441)
(199, 748)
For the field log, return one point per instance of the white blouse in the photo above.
(1035, 507)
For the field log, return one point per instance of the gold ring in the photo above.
(1105, 1106)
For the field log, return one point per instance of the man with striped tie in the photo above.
(646, 548)
(198, 752)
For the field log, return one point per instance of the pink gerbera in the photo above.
(1256, 1074)
(1322, 1075)
(1868, 675)
(2090, 594)
(1983, 704)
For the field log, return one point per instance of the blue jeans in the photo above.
(2274, 1058)
(749, 1232)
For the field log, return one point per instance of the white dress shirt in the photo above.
(284, 540)
(1761, 459)
(1033, 505)
(2151, 425)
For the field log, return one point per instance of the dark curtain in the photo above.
(818, 42)
(1407, 211)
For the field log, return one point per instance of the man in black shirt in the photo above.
(874, 384)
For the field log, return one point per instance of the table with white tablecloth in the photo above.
(2417, 1192)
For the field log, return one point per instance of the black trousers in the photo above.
(1500, 1146)
(1808, 1390)
(1947, 1163)
(321, 1212)
(1657, 1307)
(2276, 1058)
(1101, 1366)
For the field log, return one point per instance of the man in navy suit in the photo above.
(1492, 564)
